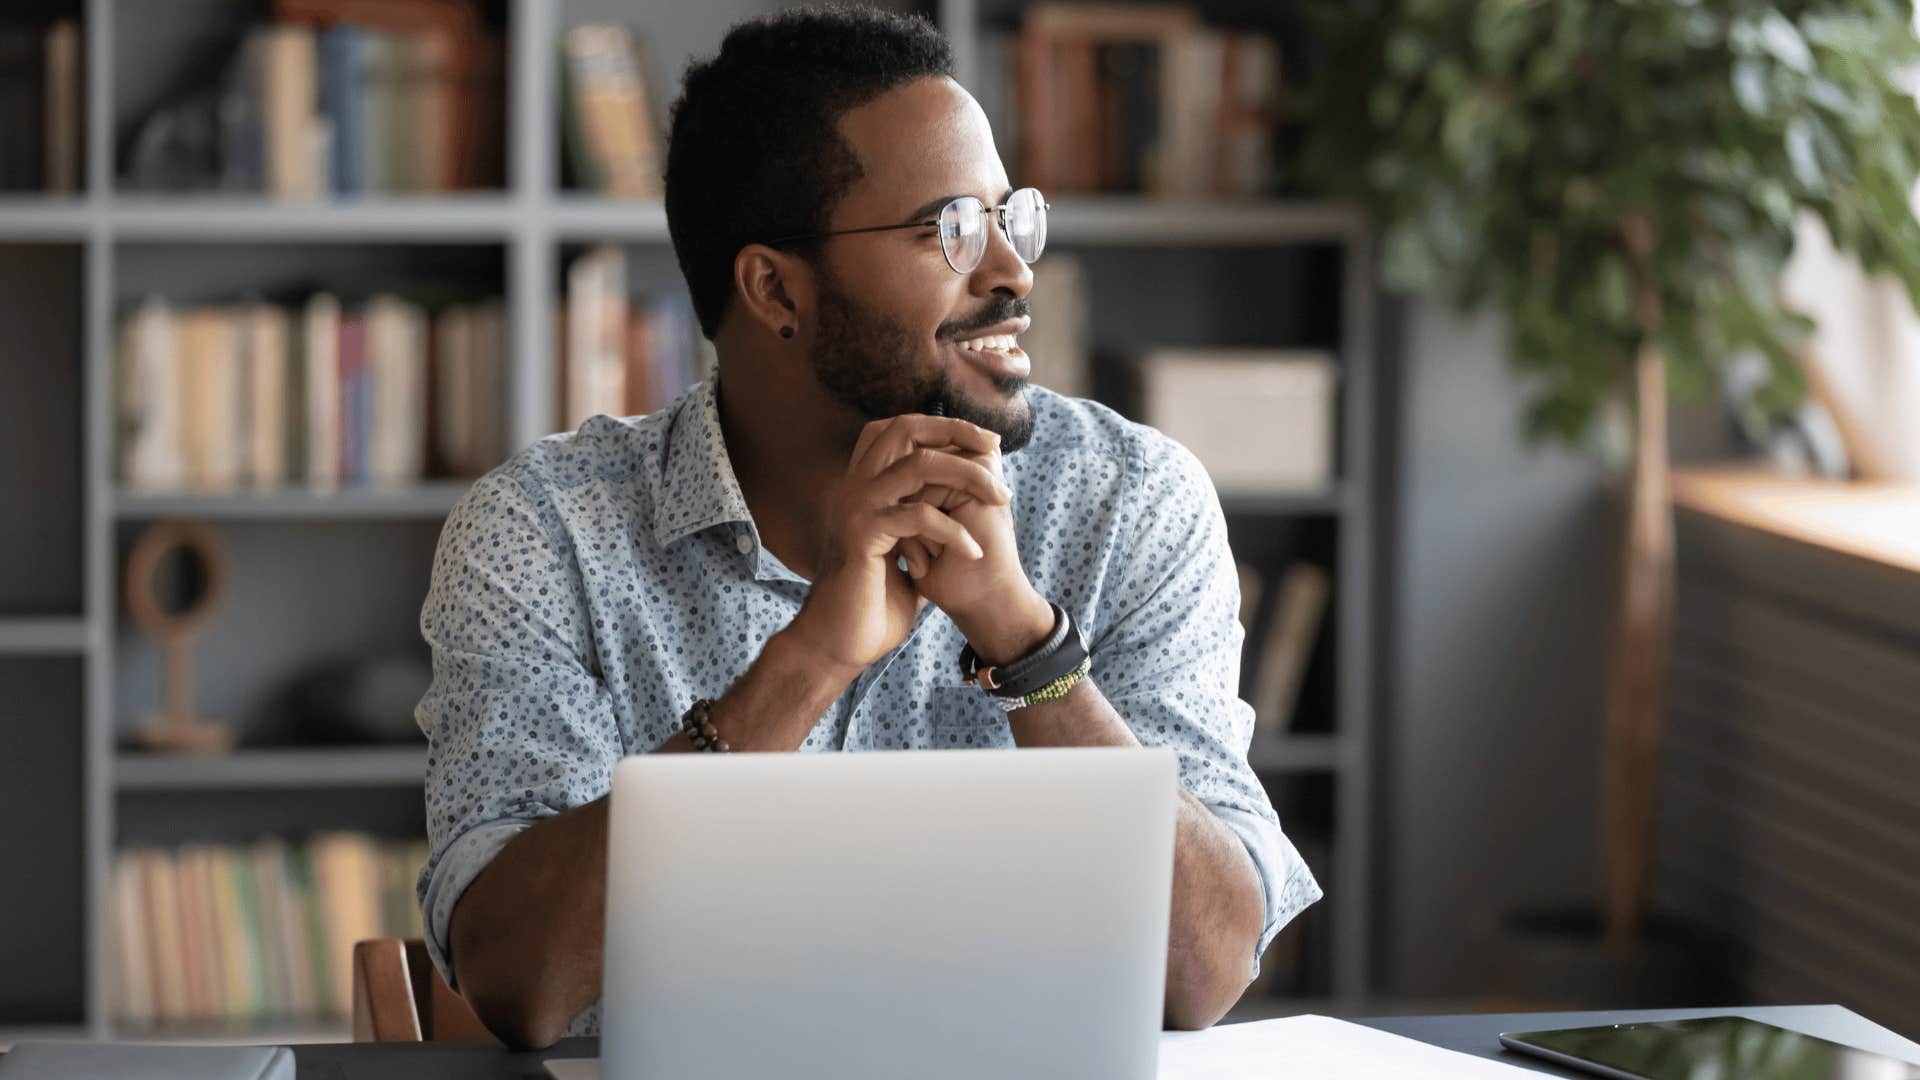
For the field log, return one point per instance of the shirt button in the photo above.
(744, 543)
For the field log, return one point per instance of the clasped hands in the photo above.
(929, 491)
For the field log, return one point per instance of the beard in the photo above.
(872, 364)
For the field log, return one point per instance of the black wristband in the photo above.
(1061, 653)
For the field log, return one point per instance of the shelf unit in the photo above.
(529, 225)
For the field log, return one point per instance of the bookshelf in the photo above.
(74, 676)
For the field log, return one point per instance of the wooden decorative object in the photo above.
(176, 729)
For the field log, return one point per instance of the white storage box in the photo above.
(1260, 420)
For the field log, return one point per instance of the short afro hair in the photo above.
(755, 153)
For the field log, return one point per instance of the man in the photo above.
(794, 556)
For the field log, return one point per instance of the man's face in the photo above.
(898, 330)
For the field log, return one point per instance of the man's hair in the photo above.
(755, 154)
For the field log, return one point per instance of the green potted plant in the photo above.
(1621, 181)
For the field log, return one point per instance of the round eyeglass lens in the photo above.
(963, 233)
(1027, 223)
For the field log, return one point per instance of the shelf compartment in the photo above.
(304, 598)
(42, 430)
(247, 770)
(44, 821)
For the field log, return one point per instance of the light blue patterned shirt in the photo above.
(586, 592)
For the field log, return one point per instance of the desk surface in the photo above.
(1478, 1035)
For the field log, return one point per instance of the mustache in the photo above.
(998, 310)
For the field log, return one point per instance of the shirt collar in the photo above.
(698, 488)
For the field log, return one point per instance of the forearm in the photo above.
(1217, 911)
(527, 934)
(777, 702)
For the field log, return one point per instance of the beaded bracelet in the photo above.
(698, 724)
(1053, 691)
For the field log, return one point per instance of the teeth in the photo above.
(1000, 342)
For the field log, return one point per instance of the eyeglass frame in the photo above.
(999, 213)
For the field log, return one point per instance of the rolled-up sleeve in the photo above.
(518, 723)
(1167, 656)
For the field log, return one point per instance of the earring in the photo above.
(786, 331)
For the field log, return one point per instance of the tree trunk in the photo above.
(1637, 668)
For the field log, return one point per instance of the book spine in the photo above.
(62, 100)
(342, 93)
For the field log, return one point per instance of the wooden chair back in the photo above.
(398, 996)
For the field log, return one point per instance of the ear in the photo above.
(773, 288)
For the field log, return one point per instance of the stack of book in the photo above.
(1284, 643)
(622, 356)
(259, 396)
(241, 935)
(607, 117)
(351, 97)
(1134, 98)
(40, 107)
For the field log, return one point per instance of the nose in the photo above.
(1001, 268)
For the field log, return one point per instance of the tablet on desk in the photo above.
(1714, 1046)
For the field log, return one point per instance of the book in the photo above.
(212, 388)
(150, 402)
(241, 933)
(267, 363)
(610, 127)
(1291, 634)
(394, 391)
(132, 991)
(64, 106)
(311, 930)
(340, 98)
(430, 84)
(596, 312)
(1250, 90)
(236, 975)
(347, 883)
(262, 879)
(261, 396)
(160, 899)
(290, 109)
(1137, 98)
(353, 396)
(384, 123)
(320, 336)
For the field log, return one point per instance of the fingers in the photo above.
(923, 468)
(919, 557)
(920, 521)
(883, 442)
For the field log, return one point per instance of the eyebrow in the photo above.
(935, 204)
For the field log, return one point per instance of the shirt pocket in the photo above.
(962, 718)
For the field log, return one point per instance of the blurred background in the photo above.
(1580, 570)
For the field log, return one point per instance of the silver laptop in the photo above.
(952, 914)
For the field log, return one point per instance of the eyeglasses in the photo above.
(963, 228)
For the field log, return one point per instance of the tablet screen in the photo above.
(1714, 1048)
